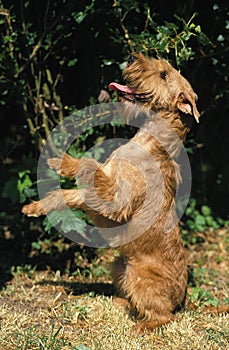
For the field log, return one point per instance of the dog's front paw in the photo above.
(34, 209)
(55, 163)
(66, 166)
(58, 165)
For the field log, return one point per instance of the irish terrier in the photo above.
(126, 192)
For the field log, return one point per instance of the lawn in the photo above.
(46, 309)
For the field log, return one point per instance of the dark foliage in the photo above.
(57, 55)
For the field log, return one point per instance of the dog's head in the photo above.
(156, 85)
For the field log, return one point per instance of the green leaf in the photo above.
(72, 62)
(191, 224)
(200, 223)
(209, 220)
(192, 203)
(205, 210)
(195, 294)
(23, 183)
(214, 302)
(220, 38)
(200, 228)
(215, 7)
(36, 245)
(73, 224)
(189, 211)
(67, 219)
(79, 17)
(198, 29)
(27, 193)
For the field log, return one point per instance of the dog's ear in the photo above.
(187, 105)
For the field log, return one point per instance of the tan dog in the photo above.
(151, 272)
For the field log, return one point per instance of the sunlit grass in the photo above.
(47, 310)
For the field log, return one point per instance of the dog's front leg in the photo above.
(71, 167)
(55, 200)
(97, 192)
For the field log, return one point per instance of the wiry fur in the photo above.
(151, 272)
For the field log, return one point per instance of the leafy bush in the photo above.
(56, 56)
(197, 220)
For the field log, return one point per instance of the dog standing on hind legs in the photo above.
(151, 272)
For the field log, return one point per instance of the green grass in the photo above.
(55, 320)
(44, 310)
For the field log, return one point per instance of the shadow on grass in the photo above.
(78, 288)
(17, 252)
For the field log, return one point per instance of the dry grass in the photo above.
(44, 310)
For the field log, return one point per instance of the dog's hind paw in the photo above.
(121, 302)
(143, 327)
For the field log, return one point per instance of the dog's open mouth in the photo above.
(128, 93)
(124, 91)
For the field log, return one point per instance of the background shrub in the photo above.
(56, 57)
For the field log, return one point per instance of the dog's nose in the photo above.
(131, 59)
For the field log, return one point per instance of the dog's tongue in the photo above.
(119, 87)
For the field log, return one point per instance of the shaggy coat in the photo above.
(134, 190)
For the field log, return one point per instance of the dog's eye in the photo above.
(163, 75)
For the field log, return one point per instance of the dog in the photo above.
(151, 272)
